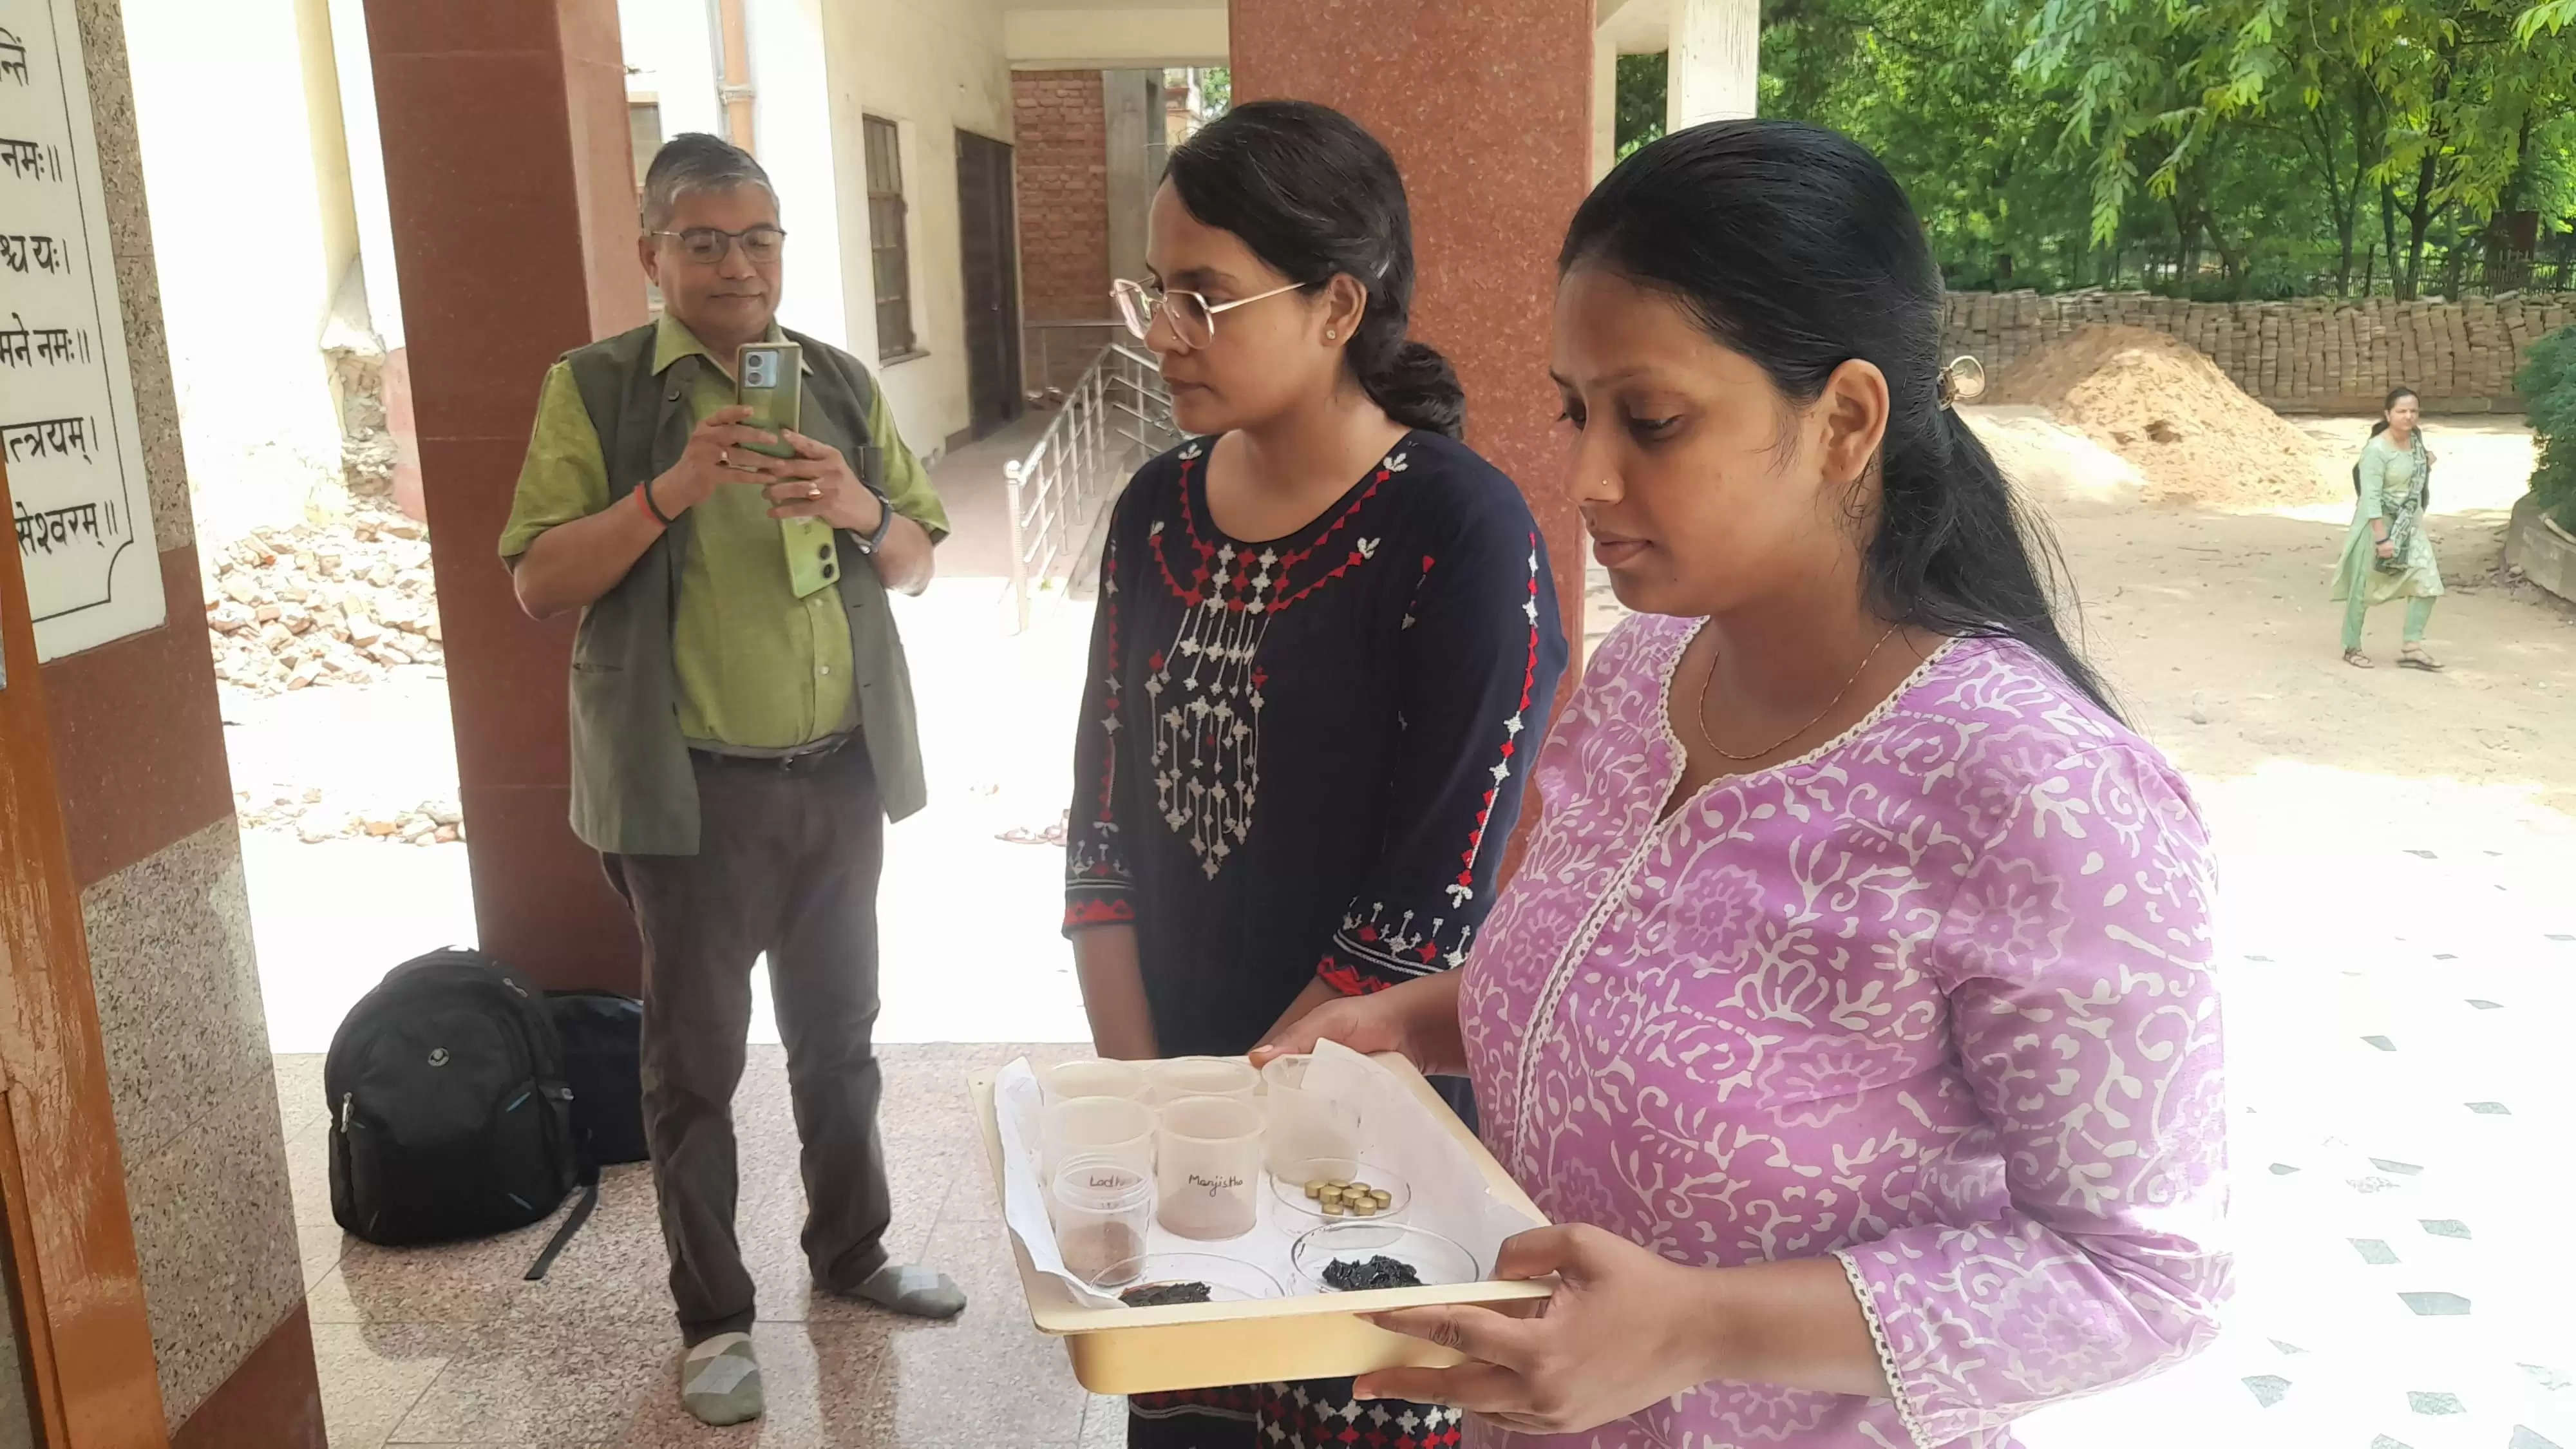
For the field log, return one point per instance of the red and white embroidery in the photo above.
(1463, 889)
(1205, 697)
(1092, 858)
(1203, 693)
(1397, 945)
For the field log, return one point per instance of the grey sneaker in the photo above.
(913, 1290)
(720, 1381)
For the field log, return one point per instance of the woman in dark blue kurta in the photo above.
(1302, 757)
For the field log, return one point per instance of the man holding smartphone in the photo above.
(742, 724)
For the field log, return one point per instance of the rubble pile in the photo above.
(341, 603)
(304, 814)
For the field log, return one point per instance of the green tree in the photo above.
(2547, 383)
(1638, 106)
(2431, 104)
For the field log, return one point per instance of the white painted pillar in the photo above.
(793, 136)
(1605, 104)
(366, 147)
(1715, 59)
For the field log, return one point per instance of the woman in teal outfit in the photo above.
(2388, 555)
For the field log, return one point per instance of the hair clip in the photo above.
(1964, 380)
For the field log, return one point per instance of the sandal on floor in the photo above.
(2412, 658)
(2357, 659)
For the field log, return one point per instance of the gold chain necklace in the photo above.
(1711, 677)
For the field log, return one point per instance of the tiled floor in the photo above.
(2401, 1133)
(2401, 1129)
(449, 1346)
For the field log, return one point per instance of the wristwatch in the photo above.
(870, 543)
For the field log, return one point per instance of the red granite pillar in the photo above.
(1488, 109)
(513, 197)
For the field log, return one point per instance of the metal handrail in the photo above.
(1043, 335)
(1117, 416)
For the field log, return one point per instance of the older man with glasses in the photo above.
(742, 728)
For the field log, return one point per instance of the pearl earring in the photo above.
(1332, 336)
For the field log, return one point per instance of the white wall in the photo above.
(818, 67)
(792, 131)
(933, 70)
(237, 108)
(672, 48)
(1061, 38)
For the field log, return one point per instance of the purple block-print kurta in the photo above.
(1934, 999)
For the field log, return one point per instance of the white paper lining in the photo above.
(1450, 1195)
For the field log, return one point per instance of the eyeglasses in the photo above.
(707, 245)
(1192, 317)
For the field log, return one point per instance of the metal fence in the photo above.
(1115, 418)
(1058, 350)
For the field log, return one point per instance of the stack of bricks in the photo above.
(1060, 126)
(2311, 355)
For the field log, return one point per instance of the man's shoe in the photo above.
(912, 1290)
(720, 1381)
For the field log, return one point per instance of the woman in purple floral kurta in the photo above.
(1850, 1011)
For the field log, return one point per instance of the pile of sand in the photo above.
(2193, 435)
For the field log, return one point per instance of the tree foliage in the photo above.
(2547, 383)
(2211, 148)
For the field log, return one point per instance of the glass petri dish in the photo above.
(1228, 1280)
(1434, 1259)
(1289, 1188)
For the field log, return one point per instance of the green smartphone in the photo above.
(769, 379)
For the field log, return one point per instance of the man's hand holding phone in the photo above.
(719, 453)
(818, 483)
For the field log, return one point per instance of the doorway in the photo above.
(986, 227)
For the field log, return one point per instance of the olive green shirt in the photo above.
(757, 667)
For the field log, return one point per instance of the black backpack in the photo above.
(603, 1045)
(450, 1113)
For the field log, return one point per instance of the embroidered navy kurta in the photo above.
(1304, 757)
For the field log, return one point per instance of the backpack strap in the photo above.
(588, 1189)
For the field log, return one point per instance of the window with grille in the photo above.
(893, 259)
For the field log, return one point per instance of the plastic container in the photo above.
(1436, 1260)
(1110, 1127)
(1305, 1125)
(1067, 1080)
(1102, 1210)
(1208, 1161)
(1181, 1077)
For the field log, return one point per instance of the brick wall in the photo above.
(1060, 126)
(2313, 355)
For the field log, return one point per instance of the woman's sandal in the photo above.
(2412, 657)
(2357, 659)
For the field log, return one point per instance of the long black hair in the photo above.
(1315, 196)
(1793, 246)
